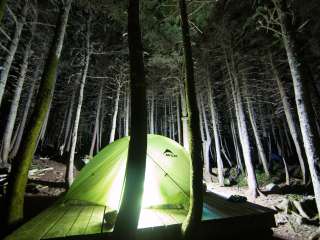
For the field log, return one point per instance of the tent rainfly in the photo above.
(166, 183)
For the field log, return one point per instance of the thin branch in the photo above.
(43, 24)
(5, 34)
(12, 14)
(4, 48)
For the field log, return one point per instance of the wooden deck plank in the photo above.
(149, 218)
(96, 220)
(37, 227)
(62, 227)
(178, 214)
(30, 225)
(217, 212)
(80, 225)
(166, 218)
(228, 208)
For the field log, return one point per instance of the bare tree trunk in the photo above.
(152, 113)
(245, 143)
(178, 120)
(165, 119)
(172, 120)
(96, 125)
(70, 173)
(242, 128)
(20, 167)
(283, 155)
(103, 114)
(12, 50)
(294, 131)
(190, 226)
(129, 212)
(184, 118)
(127, 111)
(7, 136)
(215, 127)
(310, 137)
(206, 142)
(261, 152)
(235, 142)
(44, 126)
(68, 131)
(115, 115)
(16, 144)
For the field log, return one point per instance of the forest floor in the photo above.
(47, 182)
(287, 227)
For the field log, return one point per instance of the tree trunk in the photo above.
(3, 4)
(152, 114)
(127, 112)
(129, 212)
(70, 174)
(242, 127)
(16, 144)
(96, 125)
(216, 134)
(300, 83)
(178, 120)
(7, 136)
(12, 49)
(294, 131)
(206, 142)
(261, 152)
(115, 115)
(190, 226)
(20, 167)
(68, 131)
(237, 151)
(245, 143)
(184, 118)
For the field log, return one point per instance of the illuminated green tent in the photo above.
(166, 180)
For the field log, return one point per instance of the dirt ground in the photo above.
(50, 183)
(285, 229)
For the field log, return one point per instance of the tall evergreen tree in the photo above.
(193, 219)
(129, 212)
(21, 164)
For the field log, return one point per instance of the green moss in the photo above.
(242, 181)
(22, 164)
(294, 197)
(262, 179)
(2, 8)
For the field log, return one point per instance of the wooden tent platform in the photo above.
(221, 217)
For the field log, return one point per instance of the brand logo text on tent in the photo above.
(169, 153)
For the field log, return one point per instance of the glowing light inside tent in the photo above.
(151, 195)
(114, 197)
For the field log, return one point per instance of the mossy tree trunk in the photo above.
(193, 219)
(129, 212)
(299, 73)
(3, 4)
(21, 164)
